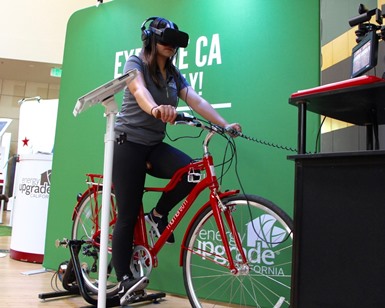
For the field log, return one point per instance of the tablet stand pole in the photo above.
(105, 95)
(111, 109)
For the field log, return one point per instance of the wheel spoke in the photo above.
(265, 234)
(86, 226)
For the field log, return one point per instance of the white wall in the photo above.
(35, 30)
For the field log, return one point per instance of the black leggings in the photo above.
(129, 174)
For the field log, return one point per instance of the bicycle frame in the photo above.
(210, 182)
(140, 236)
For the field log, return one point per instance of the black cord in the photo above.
(270, 144)
(319, 135)
(54, 282)
(231, 143)
(231, 146)
(183, 137)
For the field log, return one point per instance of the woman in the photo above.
(149, 103)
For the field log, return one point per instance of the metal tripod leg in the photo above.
(74, 268)
(111, 301)
(74, 246)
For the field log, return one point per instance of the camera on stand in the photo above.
(368, 34)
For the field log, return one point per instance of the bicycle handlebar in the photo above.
(186, 118)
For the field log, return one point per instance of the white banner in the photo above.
(37, 126)
(30, 208)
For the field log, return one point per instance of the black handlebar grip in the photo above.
(184, 116)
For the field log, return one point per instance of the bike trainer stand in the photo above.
(74, 284)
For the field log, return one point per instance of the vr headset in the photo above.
(169, 36)
(166, 35)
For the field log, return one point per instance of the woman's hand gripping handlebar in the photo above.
(234, 130)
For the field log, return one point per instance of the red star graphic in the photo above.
(25, 142)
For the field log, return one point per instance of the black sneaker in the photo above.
(159, 224)
(131, 289)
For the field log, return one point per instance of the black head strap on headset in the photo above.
(166, 36)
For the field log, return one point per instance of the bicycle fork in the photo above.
(237, 268)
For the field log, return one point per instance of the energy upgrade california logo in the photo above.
(34, 187)
(261, 240)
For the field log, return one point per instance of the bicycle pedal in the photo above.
(140, 293)
(136, 294)
(133, 297)
(152, 232)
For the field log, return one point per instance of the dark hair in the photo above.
(148, 53)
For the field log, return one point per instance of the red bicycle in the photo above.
(236, 250)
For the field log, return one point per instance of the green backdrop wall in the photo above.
(251, 54)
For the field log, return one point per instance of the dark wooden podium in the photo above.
(359, 101)
(339, 205)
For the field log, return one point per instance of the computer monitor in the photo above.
(364, 54)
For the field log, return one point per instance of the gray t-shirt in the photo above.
(139, 126)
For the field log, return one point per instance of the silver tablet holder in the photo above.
(104, 92)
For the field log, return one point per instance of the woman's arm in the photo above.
(138, 89)
(201, 106)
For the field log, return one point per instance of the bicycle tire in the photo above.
(266, 235)
(86, 226)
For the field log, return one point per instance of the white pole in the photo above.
(109, 139)
(105, 95)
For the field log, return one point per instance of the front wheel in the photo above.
(265, 232)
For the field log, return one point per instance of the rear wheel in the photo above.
(86, 226)
(266, 235)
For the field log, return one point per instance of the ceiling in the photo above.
(27, 71)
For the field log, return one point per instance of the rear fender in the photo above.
(80, 200)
